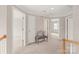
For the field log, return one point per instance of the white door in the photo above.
(31, 29)
(18, 29)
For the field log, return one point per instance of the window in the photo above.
(55, 25)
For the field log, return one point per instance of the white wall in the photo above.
(46, 25)
(75, 27)
(39, 23)
(3, 19)
(76, 22)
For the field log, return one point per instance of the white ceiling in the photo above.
(45, 10)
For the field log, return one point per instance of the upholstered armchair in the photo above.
(40, 36)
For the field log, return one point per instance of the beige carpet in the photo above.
(53, 46)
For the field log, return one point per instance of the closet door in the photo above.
(31, 29)
(18, 29)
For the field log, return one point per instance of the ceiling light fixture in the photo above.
(52, 8)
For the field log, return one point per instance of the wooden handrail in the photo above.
(2, 37)
(68, 41)
(71, 41)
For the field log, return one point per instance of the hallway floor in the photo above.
(50, 47)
